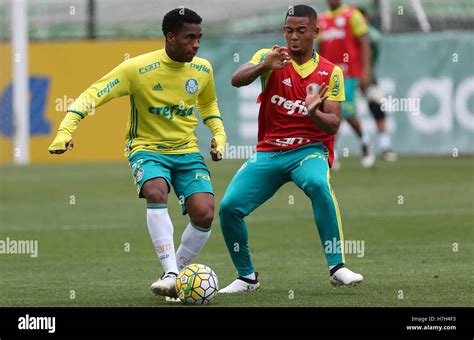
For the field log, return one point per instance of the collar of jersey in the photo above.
(308, 67)
(337, 11)
(167, 61)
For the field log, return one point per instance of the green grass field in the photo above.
(409, 247)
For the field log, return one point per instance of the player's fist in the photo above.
(315, 97)
(216, 155)
(61, 144)
(277, 58)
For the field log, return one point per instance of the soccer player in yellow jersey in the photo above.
(160, 142)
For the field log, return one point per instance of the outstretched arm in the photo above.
(211, 116)
(114, 84)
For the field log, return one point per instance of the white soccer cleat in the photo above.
(166, 286)
(242, 285)
(345, 277)
(368, 156)
(172, 299)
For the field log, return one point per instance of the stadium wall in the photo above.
(427, 81)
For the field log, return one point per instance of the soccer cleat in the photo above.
(172, 299)
(390, 156)
(368, 156)
(341, 276)
(166, 286)
(241, 285)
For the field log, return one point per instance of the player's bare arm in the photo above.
(276, 59)
(366, 55)
(326, 114)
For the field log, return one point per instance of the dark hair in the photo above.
(363, 11)
(174, 20)
(302, 11)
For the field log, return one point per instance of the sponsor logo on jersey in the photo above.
(148, 68)
(288, 141)
(171, 111)
(323, 73)
(200, 67)
(333, 34)
(191, 86)
(287, 82)
(289, 105)
(108, 88)
(340, 21)
(337, 85)
(157, 87)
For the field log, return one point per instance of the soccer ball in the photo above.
(197, 284)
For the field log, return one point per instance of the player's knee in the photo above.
(203, 217)
(376, 110)
(155, 194)
(316, 185)
(227, 207)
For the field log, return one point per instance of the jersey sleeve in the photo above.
(207, 99)
(114, 84)
(336, 86)
(209, 111)
(358, 24)
(257, 58)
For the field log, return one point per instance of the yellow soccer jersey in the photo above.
(336, 84)
(162, 97)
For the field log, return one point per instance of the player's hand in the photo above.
(60, 145)
(277, 58)
(314, 101)
(216, 155)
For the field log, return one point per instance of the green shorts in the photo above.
(187, 173)
(350, 90)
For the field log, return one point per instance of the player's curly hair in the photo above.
(174, 20)
(301, 11)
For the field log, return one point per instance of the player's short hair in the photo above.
(362, 11)
(174, 20)
(302, 11)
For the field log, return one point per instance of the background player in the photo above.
(344, 41)
(160, 145)
(374, 96)
(295, 143)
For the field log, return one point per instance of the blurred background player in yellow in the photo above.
(160, 144)
(374, 94)
(344, 41)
